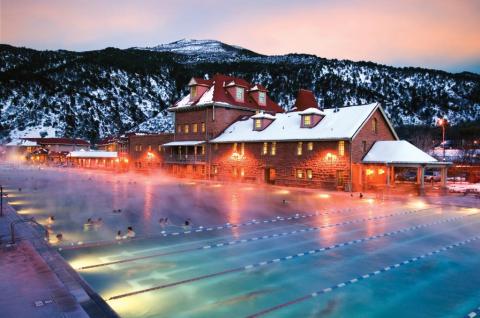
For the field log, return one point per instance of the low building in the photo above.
(95, 159)
(146, 151)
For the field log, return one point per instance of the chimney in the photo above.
(305, 99)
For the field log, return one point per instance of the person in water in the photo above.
(130, 232)
(59, 237)
(119, 235)
(51, 219)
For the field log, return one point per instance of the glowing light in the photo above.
(324, 196)
(117, 160)
(150, 155)
(370, 201)
(369, 172)
(218, 185)
(236, 156)
(125, 160)
(283, 191)
(381, 171)
(330, 157)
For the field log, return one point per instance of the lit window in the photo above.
(309, 174)
(203, 149)
(195, 150)
(179, 129)
(203, 127)
(193, 92)
(265, 148)
(242, 172)
(239, 94)
(159, 148)
(307, 120)
(186, 128)
(341, 148)
(242, 148)
(235, 171)
(140, 147)
(215, 169)
(262, 98)
(364, 145)
(310, 146)
(235, 147)
(258, 124)
(299, 148)
(273, 149)
(299, 174)
(195, 128)
(374, 125)
(149, 147)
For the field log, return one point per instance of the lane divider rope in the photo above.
(242, 241)
(201, 229)
(285, 258)
(363, 277)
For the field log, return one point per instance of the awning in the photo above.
(399, 152)
(183, 143)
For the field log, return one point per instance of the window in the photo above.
(215, 169)
(309, 174)
(273, 149)
(149, 147)
(307, 120)
(242, 172)
(215, 147)
(299, 174)
(195, 150)
(374, 125)
(186, 128)
(203, 127)
(265, 148)
(193, 92)
(341, 148)
(235, 171)
(239, 94)
(203, 149)
(364, 145)
(194, 128)
(258, 124)
(235, 147)
(159, 148)
(179, 129)
(310, 146)
(242, 148)
(262, 98)
(299, 148)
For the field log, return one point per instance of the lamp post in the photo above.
(442, 122)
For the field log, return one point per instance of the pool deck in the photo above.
(35, 280)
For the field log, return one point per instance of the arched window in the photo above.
(374, 125)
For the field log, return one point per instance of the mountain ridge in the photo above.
(97, 93)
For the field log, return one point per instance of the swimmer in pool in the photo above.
(130, 232)
(119, 235)
(51, 219)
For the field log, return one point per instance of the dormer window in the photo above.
(193, 92)
(239, 94)
(262, 98)
(258, 124)
(307, 120)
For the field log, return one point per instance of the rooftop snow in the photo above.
(183, 143)
(312, 111)
(342, 124)
(263, 115)
(93, 154)
(396, 151)
(21, 143)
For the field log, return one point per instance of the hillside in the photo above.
(97, 93)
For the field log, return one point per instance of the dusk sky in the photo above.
(442, 34)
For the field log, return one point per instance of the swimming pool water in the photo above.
(359, 257)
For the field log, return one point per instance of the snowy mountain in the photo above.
(97, 93)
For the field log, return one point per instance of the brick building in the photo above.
(229, 129)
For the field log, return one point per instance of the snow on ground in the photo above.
(463, 186)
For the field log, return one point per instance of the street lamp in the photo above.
(442, 122)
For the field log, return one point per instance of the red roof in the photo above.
(220, 84)
(59, 141)
(305, 99)
(200, 81)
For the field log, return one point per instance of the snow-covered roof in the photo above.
(183, 143)
(339, 125)
(92, 154)
(21, 143)
(312, 111)
(397, 151)
(263, 115)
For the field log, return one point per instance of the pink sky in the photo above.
(440, 34)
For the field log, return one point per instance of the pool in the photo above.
(254, 251)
